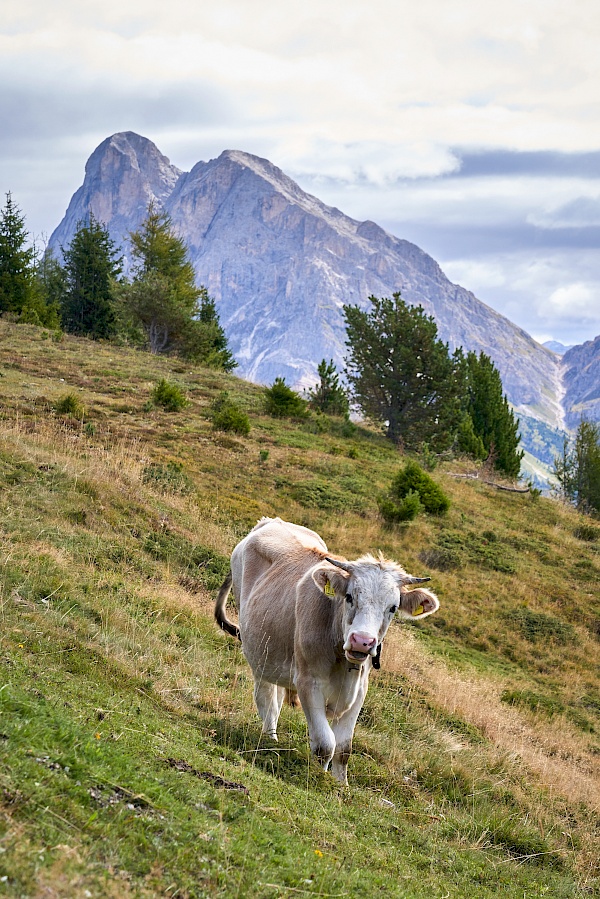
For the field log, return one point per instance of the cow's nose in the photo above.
(362, 643)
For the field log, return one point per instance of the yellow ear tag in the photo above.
(329, 591)
(418, 611)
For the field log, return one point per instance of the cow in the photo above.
(313, 623)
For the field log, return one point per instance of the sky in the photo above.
(470, 128)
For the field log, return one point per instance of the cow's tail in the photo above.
(220, 614)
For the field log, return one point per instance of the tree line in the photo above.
(159, 308)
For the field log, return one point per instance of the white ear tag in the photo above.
(329, 591)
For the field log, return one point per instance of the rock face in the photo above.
(122, 176)
(582, 382)
(281, 264)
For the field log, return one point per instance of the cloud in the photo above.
(535, 164)
(582, 212)
(577, 299)
(471, 129)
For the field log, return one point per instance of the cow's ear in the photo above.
(418, 603)
(331, 581)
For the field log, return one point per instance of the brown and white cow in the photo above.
(312, 623)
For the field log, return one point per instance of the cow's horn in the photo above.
(344, 565)
(415, 580)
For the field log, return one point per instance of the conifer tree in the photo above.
(175, 315)
(328, 395)
(492, 418)
(92, 266)
(207, 341)
(578, 470)
(18, 288)
(402, 374)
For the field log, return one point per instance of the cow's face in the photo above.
(371, 591)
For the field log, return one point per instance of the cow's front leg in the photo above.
(321, 737)
(343, 730)
(268, 699)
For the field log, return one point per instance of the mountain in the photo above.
(557, 347)
(122, 176)
(582, 382)
(281, 264)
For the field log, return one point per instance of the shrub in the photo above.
(444, 558)
(413, 480)
(454, 549)
(406, 510)
(324, 495)
(283, 402)
(69, 404)
(587, 532)
(533, 701)
(169, 396)
(169, 478)
(227, 416)
(536, 626)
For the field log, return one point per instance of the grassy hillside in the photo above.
(131, 760)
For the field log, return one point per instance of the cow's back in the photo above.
(266, 569)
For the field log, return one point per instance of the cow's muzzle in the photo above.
(359, 646)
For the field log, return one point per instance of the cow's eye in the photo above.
(393, 609)
(348, 599)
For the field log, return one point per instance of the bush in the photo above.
(169, 478)
(227, 416)
(454, 549)
(283, 402)
(70, 404)
(412, 479)
(587, 532)
(536, 626)
(327, 496)
(169, 396)
(405, 510)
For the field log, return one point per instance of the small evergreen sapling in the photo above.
(169, 396)
(328, 395)
(411, 490)
(228, 416)
(283, 402)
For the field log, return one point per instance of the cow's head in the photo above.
(371, 591)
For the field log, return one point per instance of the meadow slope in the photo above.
(131, 760)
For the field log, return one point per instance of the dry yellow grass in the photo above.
(554, 752)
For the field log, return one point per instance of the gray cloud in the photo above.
(535, 164)
(31, 113)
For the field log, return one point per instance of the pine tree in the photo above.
(328, 395)
(401, 374)
(18, 289)
(92, 266)
(52, 285)
(206, 341)
(163, 299)
(578, 470)
(492, 418)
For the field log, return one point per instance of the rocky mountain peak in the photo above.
(281, 264)
(122, 176)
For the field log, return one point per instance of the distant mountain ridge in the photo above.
(557, 347)
(281, 264)
(582, 382)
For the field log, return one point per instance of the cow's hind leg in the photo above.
(268, 699)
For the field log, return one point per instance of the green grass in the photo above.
(126, 718)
